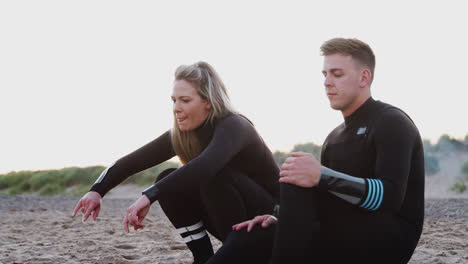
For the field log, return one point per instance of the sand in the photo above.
(41, 230)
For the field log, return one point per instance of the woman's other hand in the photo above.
(264, 220)
(136, 213)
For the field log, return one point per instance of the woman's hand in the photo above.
(89, 203)
(264, 220)
(136, 213)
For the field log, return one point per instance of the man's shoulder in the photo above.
(390, 113)
(391, 118)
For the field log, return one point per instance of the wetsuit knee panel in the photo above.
(164, 174)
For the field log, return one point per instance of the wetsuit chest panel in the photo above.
(351, 152)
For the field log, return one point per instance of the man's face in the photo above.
(342, 82)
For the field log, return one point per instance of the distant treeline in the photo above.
(77, 181)
(433, 153)
(74, 181)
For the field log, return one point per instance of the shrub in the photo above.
(458, 187)
(78, 190)
(14, 191)
(82, 176)
(14, 178)
(465, 169)
(52, 188)
(42, 178)
(147, 177)
(280, 157)
(310, 147)
(431, 164)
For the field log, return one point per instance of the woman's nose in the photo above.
(176, 107)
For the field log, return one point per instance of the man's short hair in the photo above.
(359, 51)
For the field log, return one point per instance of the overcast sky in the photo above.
(86, 82)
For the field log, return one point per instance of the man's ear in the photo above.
(366, 77)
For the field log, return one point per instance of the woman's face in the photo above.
(190, 110)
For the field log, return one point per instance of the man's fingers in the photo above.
(77, 207)
(299, 154)
(285, 173)
(291, 180)
(286, 166)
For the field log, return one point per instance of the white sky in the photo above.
(86, 82)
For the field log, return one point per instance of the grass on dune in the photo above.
(73, 181)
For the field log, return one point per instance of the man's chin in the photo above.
(335, 106)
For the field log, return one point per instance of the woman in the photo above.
(228, 173)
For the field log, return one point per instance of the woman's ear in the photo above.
(208, 105)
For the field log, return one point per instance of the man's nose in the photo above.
(327, 82)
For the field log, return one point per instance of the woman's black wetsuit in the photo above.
(234, 179)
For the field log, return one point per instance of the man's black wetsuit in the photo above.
(234, 179)
(380, 144)
(367, 208)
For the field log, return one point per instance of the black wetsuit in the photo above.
(369, 205)
(233, 179)
(380, 144)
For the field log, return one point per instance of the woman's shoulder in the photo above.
(234, 120)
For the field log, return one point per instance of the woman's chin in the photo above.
(184, 128)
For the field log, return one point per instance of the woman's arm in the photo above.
(151, 154)
(230, 136)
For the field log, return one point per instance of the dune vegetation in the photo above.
(76, 181)
(73, 181)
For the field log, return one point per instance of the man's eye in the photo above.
(185, 101)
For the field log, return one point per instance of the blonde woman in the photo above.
(228, 173)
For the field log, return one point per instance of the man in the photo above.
(365, 202)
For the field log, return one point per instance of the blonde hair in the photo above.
(209, 87)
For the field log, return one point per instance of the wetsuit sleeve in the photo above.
(151, 154)
(230, 136)
(395, 136)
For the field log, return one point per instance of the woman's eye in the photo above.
(185, 101)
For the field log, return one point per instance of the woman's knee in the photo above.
(216, 184)
(164, 174)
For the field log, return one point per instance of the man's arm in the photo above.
(395, 138)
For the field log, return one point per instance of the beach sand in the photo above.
(42, 230)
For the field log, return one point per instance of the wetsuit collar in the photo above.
(361, 113)
(204, 132)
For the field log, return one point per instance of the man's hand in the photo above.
(301, 169)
